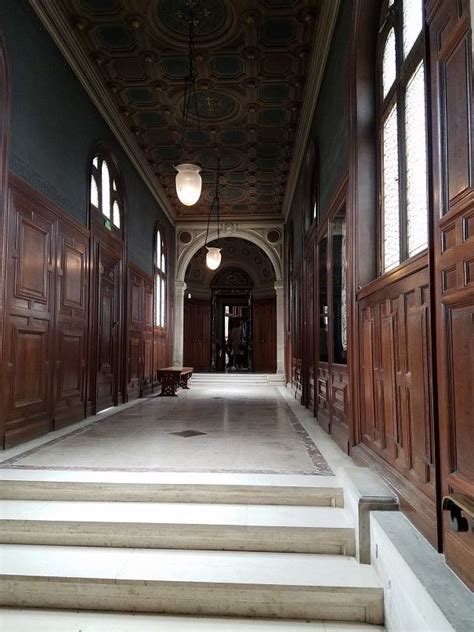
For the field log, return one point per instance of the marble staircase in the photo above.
(202, 545)
(236, 378)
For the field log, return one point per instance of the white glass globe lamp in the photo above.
(188, 183)
(213, 258)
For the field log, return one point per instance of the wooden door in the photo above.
(28, 348)
(197, 326)
(309, 330)
(264, 335)
(453, 181)
(106, 382)
(135, 335)
(71, 326)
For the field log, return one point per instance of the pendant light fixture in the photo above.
(214, 256)
(188, 178)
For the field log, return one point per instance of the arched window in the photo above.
(402, 133)
(160, 280)
(105, 193)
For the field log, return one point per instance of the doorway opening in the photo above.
(230, 313)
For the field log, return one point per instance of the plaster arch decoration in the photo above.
(187, 251)
(194, 237)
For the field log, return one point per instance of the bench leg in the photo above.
(183, 381)
(168, 386)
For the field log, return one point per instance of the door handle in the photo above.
(457, 505)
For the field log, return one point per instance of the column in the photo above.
(280, 326)
(178, 330)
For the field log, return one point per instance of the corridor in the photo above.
(210, 428)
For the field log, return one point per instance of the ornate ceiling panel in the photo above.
(252, 62)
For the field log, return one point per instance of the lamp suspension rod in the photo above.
(215, 201)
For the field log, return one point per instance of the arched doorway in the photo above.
(230, 313)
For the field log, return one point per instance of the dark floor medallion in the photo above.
(188, 433)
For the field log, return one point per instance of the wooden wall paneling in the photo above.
(197, 331)
(147, 377)
(105, 355)
(71, 324)
(308, 329)
(28, 352)
(4, 150)
(453, 218)
(362, 187)
(396, 388)
(135, 333)
(264, 335)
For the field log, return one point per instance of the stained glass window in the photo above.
(402, 133)
(412, 23)
(105, 190)
(105, 193)
(160, 280)
(415, 147)
(94, 192)
(116, 214)
(390, 195)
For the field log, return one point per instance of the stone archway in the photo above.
(273, 252)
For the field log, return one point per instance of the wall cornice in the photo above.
(65, 38)
(322, 43)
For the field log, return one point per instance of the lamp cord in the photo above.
(190, 86)
(216, 203)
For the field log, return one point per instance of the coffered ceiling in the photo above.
(253, 60)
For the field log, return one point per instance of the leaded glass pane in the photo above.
(389, 63)
(116, 214)
(390, 195)
(162, 306)
(412, 23)
(416, 192)
(105, 190)
(157, 300)
(94, 192)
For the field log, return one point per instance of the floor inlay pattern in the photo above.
(246, 429)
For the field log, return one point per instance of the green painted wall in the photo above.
(54, 126)
(330, 126)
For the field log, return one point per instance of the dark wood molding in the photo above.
(4, 153)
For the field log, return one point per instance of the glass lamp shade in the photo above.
(213, 258)
(188, 183)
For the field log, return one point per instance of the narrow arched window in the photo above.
(402, 133)
(106, 194)
(160, 280)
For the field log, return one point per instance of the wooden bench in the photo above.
(173, 377)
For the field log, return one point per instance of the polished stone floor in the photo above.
(210, 428)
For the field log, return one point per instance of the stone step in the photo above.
(69, 621)
(211, 583)
(261, 489)
(178, 526)
(254, 379)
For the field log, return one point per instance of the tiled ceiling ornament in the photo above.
(252, 61)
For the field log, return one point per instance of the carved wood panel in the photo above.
(264, 335)
(453, 172)
(396, 386)
(106, 345)
(28, 351)
(197, 326)
(71, 325)
(135, 334)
